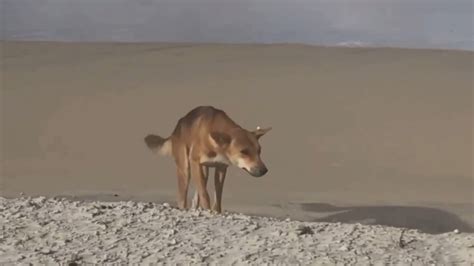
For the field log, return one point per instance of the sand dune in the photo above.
(365, 131)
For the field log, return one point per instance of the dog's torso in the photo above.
(192, 133)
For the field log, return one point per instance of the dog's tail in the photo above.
(158, 144)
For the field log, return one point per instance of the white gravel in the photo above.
(49, 231)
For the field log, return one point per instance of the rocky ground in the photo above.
(51, 230)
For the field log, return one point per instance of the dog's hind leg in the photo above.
(198, 176)
(195, 201)
(183, 174)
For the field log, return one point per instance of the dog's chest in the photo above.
(212, 159)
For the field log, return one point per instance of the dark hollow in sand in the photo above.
(427, 220)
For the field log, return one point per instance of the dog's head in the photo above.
(242, 149)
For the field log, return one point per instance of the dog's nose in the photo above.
(260, 171)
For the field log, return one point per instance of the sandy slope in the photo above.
(45, 231)
(360, 135)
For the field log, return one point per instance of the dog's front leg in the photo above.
(219, 177)
(198, 176)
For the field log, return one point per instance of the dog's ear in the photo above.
(259, 132)
(219, 139)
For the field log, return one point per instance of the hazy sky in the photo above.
(406, 23)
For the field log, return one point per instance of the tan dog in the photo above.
(206, 137)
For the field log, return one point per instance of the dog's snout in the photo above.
(259, 171)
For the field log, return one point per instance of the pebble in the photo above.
(292, 235)
(45, 251)
(276, 233)
(344, 248)
(39, 200)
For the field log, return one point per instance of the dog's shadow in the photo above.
(428, 220)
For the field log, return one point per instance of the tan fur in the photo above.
(207, 138)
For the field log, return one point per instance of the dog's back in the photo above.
(192, 127)
(197, 122)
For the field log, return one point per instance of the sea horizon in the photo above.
(418, 24)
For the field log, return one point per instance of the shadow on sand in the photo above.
(428, 220)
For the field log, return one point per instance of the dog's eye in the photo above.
(245, 152)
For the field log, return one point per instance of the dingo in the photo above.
(206, 137)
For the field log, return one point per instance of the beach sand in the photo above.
(360, 135)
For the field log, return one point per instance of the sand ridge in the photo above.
(43, 230)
